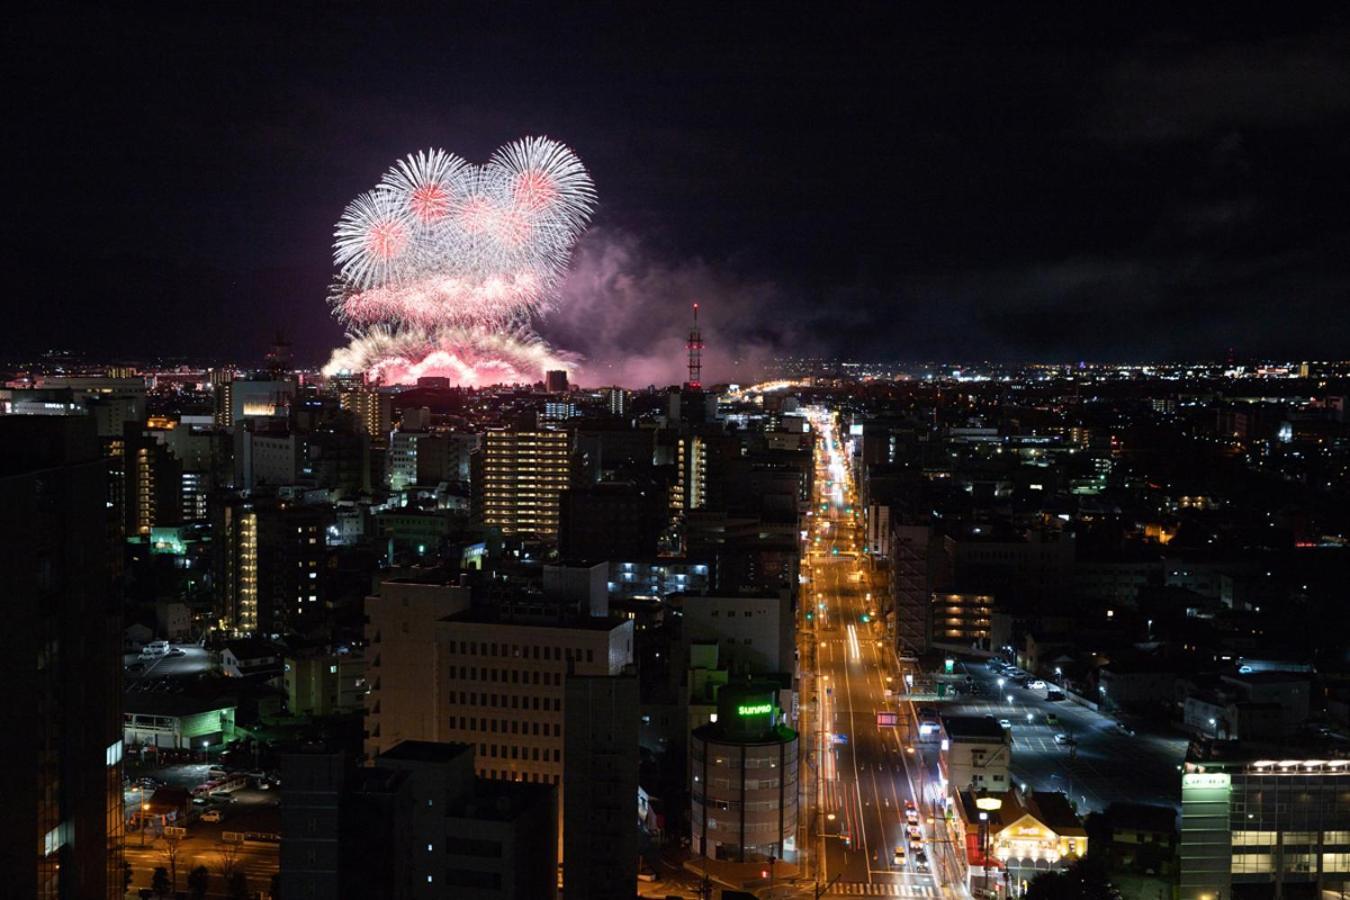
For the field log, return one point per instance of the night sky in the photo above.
(986, 183)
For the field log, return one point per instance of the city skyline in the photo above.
(677, 452)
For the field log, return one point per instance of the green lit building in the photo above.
(1260, 821)
(744, 778)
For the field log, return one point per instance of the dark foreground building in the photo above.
(62, 829)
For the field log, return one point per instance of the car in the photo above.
(136, 667)
(213, 815)
(898, 857)
(1037, 685)
(920, 860)
(1065, 740)
(1051, 719)
(1124, 729)
(912, 816)
(177, 652)
(1054, 695)
(1006, 723)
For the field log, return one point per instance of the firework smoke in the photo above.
(443, 264)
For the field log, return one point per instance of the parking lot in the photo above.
(185, 660)
(1103, 764)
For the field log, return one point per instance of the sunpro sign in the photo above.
(754, 709)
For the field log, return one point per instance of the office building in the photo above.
(1264, 820)
(743, 802)
(505, 686)
(520, 476)
(63, 827)
(406, 699)
(240, 399)
(555, 381)
(600, 780)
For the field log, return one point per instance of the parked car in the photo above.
(1037, 685)
(1065, 740)
(1006, 723)
(213, 815)
(1051, 719)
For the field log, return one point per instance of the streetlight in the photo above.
(986, 803)
(1000, 684)
(1010, 699)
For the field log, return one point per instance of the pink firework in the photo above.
(442, 244)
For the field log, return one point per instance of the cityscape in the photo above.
(522, 526)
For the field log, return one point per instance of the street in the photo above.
(860, 775)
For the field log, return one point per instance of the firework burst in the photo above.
(449, 251)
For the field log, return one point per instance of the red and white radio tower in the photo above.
(695, 346)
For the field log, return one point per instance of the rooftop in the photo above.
(973, 728)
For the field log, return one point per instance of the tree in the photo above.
(159, 882)
(198, 882)
(170, 853)
(237, 889)
(227, 862)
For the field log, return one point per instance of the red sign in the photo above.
(887, 719)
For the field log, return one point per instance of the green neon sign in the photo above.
(755, 709)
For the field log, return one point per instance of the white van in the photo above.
(155, 648)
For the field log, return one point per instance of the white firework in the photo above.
(373, 242)
(428, 182)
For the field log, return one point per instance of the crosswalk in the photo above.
(880, 889)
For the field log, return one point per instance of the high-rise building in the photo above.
(600, 780)
(234, 546)
(518, 479)
(405, 696)
(373, 409)
(962, 619)
(616, 399)
(63, 827)
(153, 478)
(691, 481)
(555, 381)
